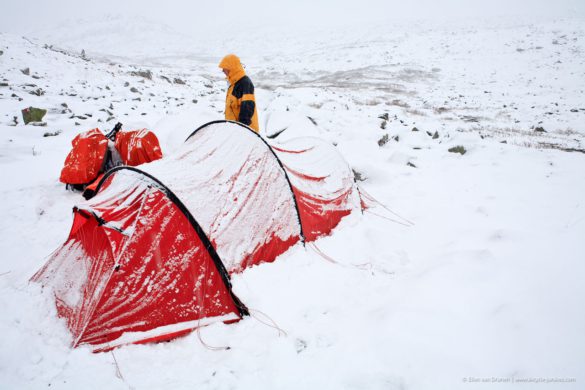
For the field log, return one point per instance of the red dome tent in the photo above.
(149, 257)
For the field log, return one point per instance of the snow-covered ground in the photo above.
(487, 283)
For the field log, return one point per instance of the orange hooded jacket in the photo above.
(240, 103)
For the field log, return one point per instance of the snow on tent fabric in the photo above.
(232, 182)
(135, 268)
(143, 249)
(322, 181)
(304, 181)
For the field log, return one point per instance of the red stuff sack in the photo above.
(138, 147)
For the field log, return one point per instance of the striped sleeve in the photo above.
(248, 103)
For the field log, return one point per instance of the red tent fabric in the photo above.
(136, 268)
(149, 256)
(322, 182)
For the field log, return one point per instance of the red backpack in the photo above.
(92, 155)
(86, 158)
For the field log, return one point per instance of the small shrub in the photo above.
(458, 149)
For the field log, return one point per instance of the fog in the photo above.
(225, 15)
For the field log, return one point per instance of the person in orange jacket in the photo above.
(240, 103)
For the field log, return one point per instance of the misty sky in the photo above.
(188, 16)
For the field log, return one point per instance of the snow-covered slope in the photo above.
(118, 35)
(474, 272)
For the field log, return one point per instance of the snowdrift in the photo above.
(149, 257)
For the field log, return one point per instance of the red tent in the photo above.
(149, 257)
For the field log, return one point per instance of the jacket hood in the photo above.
(232, 63)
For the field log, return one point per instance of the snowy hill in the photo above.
(487, 283)
(118, 35)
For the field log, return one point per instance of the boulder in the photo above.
(33, 114)
(37, 92)
(147, 74)
(52, 133)
(384, 140)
